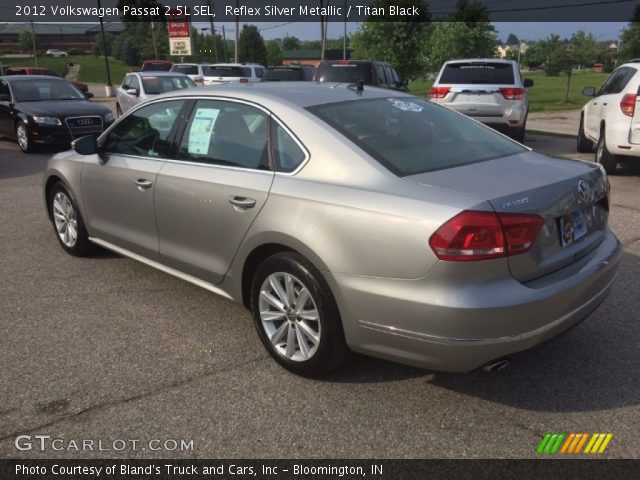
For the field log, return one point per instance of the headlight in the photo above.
(108, 117)
(47, 120)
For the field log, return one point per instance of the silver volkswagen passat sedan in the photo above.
(346, 218)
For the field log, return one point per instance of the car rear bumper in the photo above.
(458, 327)
(514, 117)
(617, 135)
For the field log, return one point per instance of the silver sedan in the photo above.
(138, 87)
(346, 218)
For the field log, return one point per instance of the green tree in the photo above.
(398, 42)
(251, 47)
(631, 38)
(26, 40)
(290, 43)
(470, 12)
(274, 52)
(534, 56)
(97, 44)
(451, 40)
(512, 40)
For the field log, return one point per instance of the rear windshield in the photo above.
(282, 74)
(344, 72)
(154, 85)
(186, 69)
(478, 73)
(156, 67)
(226, 71)
(409, 135)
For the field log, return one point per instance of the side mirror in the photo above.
(88, 95)
(4, 97)
(589, 91)
(132, 91)
(87, 145)
(528, 83)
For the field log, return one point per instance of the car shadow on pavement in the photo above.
(591, 367)
(28, 164)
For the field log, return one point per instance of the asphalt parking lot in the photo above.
(105, 348)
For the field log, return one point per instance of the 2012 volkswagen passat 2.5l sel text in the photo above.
(346, 219)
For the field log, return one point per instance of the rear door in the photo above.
(207, 199)
(118, 185)
(478, 88)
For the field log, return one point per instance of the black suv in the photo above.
(376, 73)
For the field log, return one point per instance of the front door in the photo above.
(118, 185)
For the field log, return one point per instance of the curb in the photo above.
(552, 134)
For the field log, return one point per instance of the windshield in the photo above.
(38, 90)
(226, 71)
(347, 72)
(155, 85)
(282, 74)
(156, 67)
(186, 69)
(409, 135)
(487, 73)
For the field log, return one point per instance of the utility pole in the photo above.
(153, 36)
(344, 34)
(104, 50)
(322, 33)
(213, 34)
(237, 30)
(224, 45)
(33, 41)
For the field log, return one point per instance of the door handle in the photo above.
(242, 202)
(604, 104)
(143, 183)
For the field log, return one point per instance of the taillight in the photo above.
(438, 92)
(244, 80)
(628, 104)
(511, 93)
(472, 235)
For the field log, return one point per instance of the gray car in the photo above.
(346, 218)
(139, 87)
(489, 90)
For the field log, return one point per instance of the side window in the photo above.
(259, 72)
(612, 85)
(146, 132)
(4, 88)
(382, 79)
(626, 78)
(134, 82)
(226, 133)
(126, 83)
(288, 154)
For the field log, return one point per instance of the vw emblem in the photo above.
(85, 121)
(583, 190)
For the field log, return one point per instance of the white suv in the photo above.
(192, 70)
(611, 120)
(232, 73)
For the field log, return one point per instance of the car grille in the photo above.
(80, 126)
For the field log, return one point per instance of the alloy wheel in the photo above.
(65, 219)
(23, 139)
(289, 316)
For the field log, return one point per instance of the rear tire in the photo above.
(608, 161)
(584, 145)
(296, 316)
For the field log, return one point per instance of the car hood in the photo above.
(62, 108)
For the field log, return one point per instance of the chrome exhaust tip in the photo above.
(496, 366)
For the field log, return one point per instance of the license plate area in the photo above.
(575, 226)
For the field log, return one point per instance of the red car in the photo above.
(83, 87)
(156, 66)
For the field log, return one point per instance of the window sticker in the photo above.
(405, 106)
(201, 130)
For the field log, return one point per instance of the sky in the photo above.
(523, 30)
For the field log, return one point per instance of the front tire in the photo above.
(23, 137)
(608, 161)
(67, 222)
(584, 145)
(296, 316)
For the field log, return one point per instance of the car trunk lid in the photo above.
(569, 196)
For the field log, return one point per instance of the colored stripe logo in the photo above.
(573, 443)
